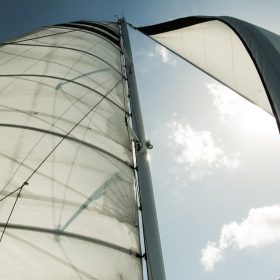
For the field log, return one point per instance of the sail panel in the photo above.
(39, 255)
(66, 148)
(238, 54)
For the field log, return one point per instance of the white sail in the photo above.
(68, 206)
(240, 55)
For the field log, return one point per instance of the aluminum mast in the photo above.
(151, 231)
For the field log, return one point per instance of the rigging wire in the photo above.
(14, 205)
(131, 25)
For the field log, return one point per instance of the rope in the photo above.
(14, 205)
(131, 25)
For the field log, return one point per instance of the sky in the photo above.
(215, 157)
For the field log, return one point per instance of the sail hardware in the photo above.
(149, 145)
(134, 137)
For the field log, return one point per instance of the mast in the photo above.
(154, 256)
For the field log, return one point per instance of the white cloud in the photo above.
(226, 101)
(211, 255)
(163, 52)
(259, 229)
(235, 109)
(197, 151)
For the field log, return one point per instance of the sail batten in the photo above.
(60, 233)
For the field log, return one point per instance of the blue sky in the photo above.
(231, 181)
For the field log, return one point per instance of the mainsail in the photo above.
(240, 55)
(68, 201)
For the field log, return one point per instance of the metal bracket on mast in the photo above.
(155, 265)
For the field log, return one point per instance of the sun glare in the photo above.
(234, 109)
(148, 157)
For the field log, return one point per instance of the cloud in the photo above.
(159, 52)
(235, 109)
(210, 256)
(197, 151)
(259, 229)
(163, 52)
(225, 100)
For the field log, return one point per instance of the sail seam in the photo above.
(58, 233)
(99, 25)
(92, 30)
(44, 36)
(87, 32)
(62, 47)
(115, 36)
(74, 139)
(67, 80)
